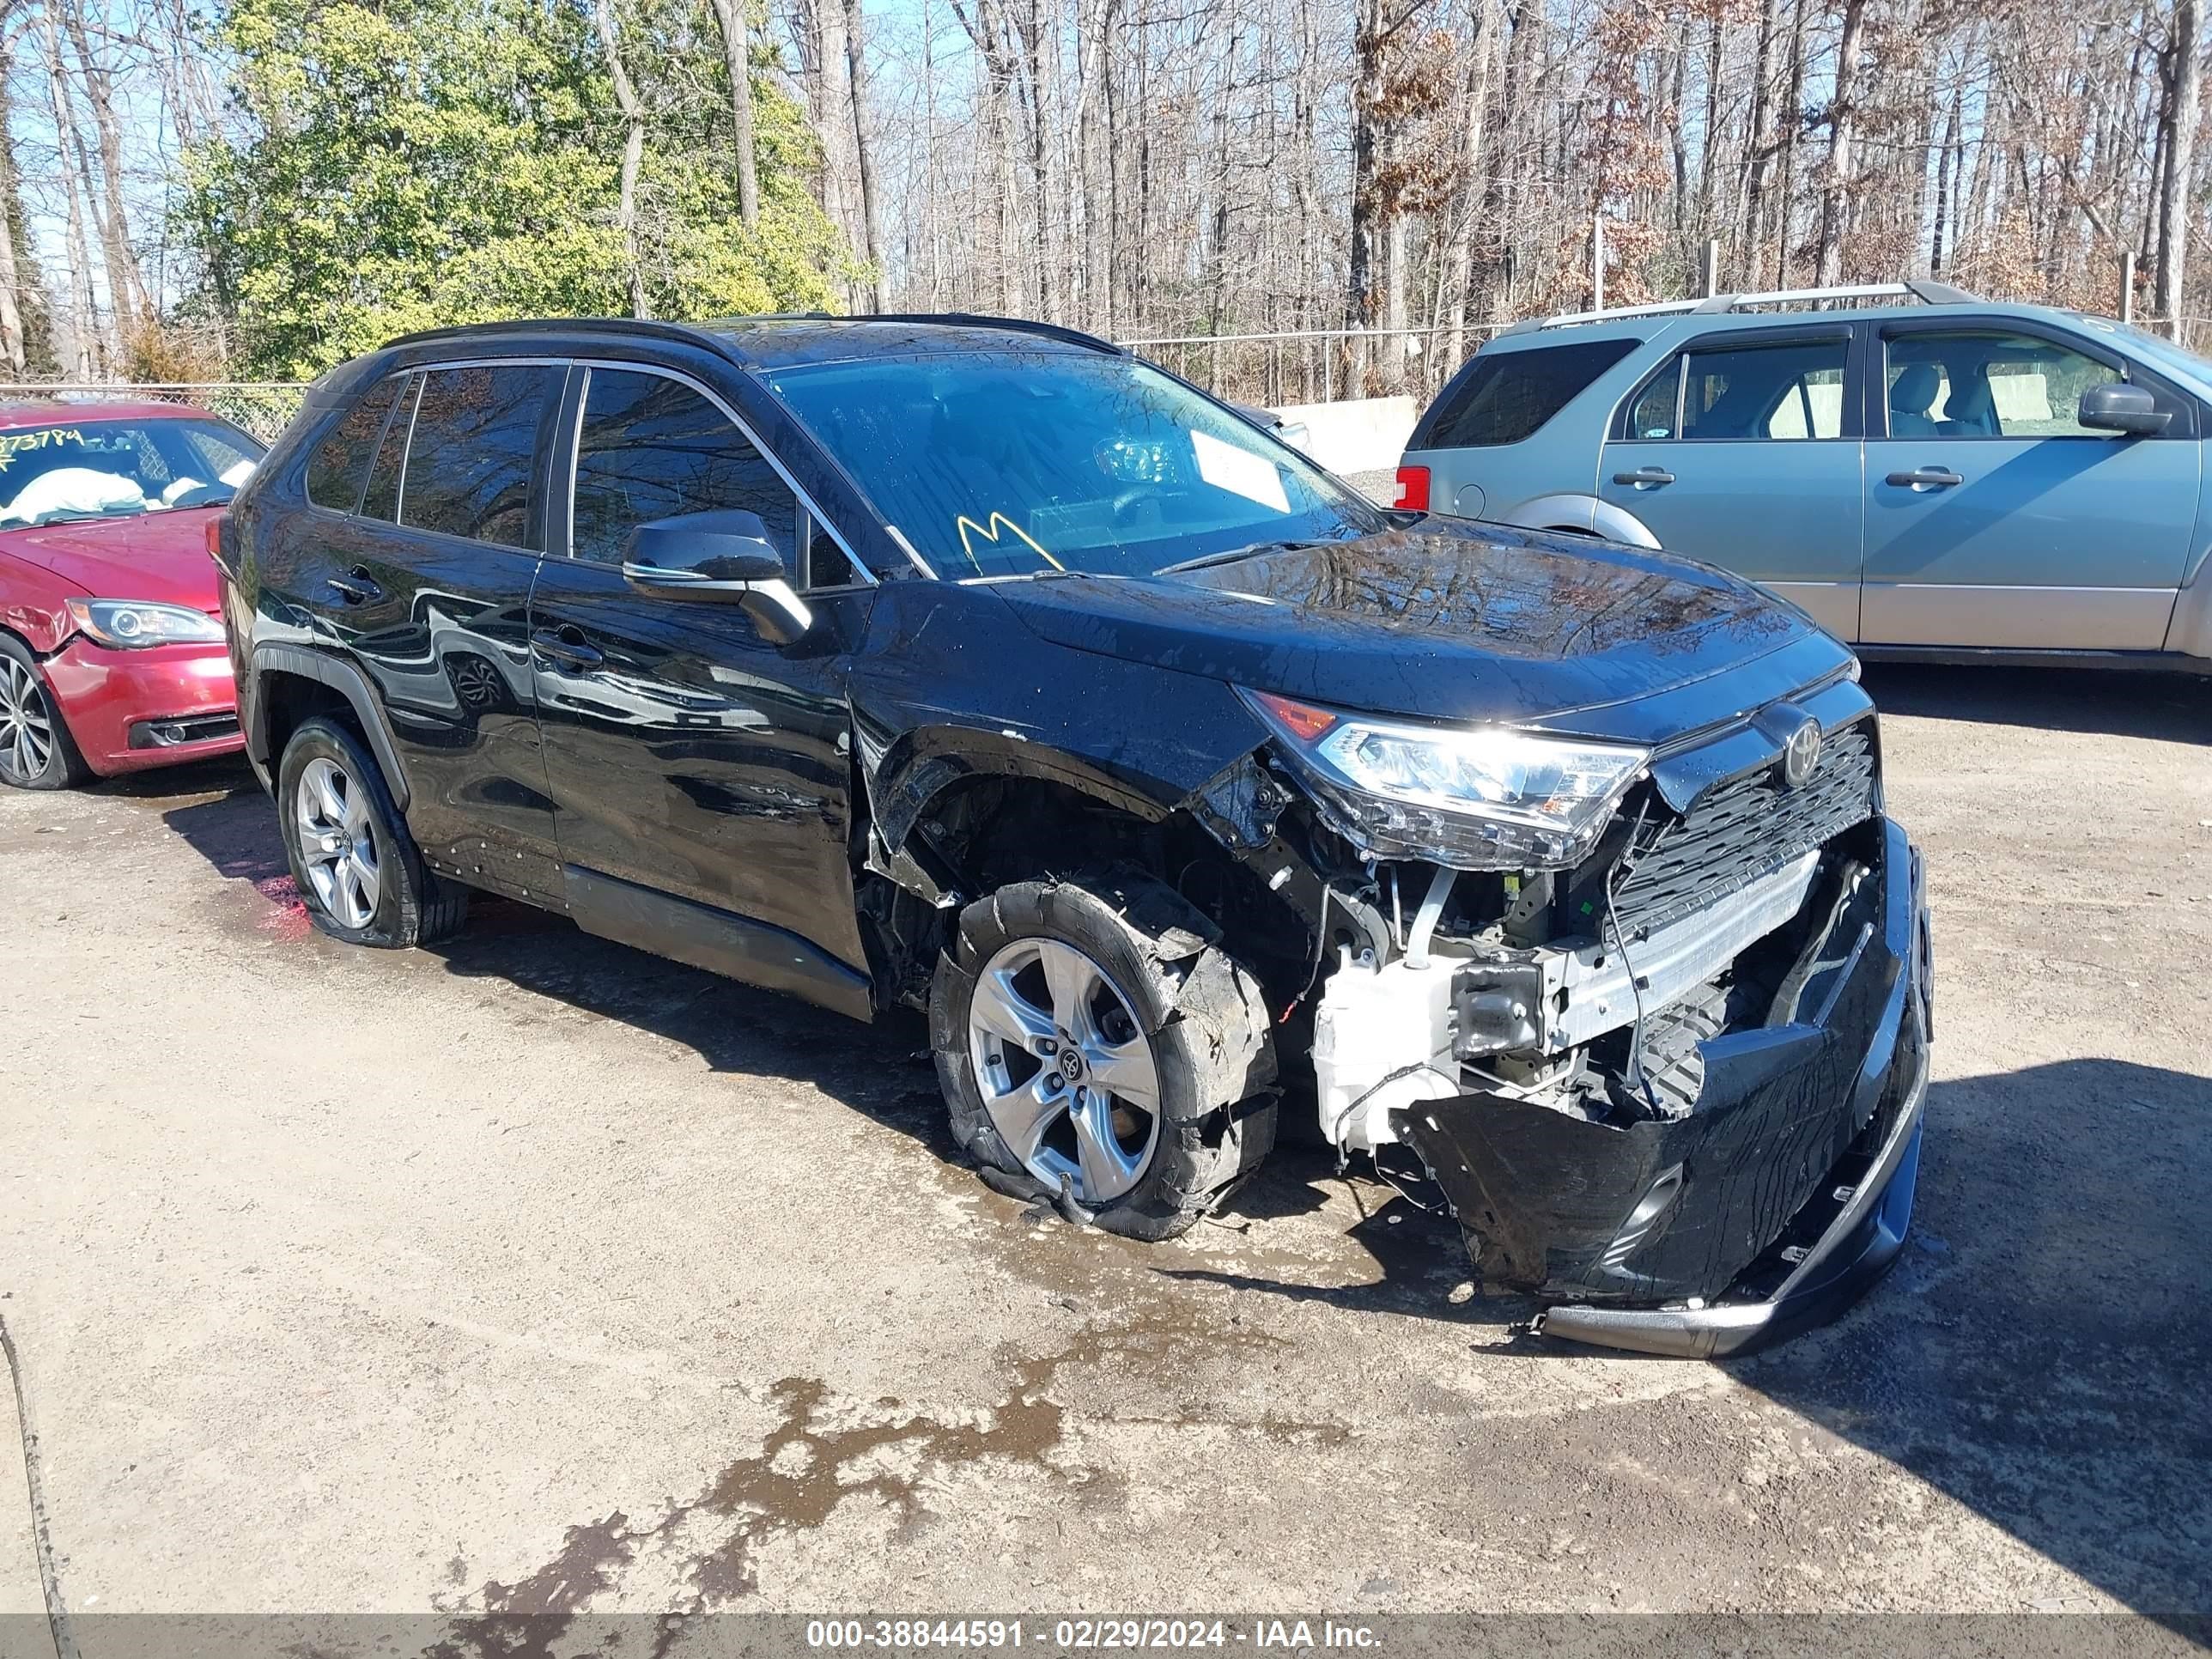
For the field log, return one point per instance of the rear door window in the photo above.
(1504, 397)
(471, 465)
(1784, 390)
(340, 466)
(649, 447)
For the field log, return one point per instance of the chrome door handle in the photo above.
(1926, 478)
(566, 645)
(1645, 477)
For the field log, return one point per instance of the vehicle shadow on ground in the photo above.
(2172, 708)
(2039, 1353)
(884, 1069)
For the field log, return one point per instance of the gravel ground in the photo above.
(532, 1273)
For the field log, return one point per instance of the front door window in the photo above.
(654, 448)
(1989, 385)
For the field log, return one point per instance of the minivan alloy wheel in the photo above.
(27, 723)
(338, 847)
(1066, 1072)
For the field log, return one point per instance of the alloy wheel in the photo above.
(1065, 1071)
(337, 847)
(27, 723)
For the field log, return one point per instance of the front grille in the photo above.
(1741, 830)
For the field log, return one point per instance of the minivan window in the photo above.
(340, 466)
(1989, 385)
(1504, 397)
(472, 462)
(1784, 391)
(650, 447)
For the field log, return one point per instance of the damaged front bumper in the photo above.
(1768, 1209)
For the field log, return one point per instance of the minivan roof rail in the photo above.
(1930, 292)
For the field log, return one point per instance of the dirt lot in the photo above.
(531, 1273)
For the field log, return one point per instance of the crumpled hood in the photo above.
(1450, 620)
(158, 557)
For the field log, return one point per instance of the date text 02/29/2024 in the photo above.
(1086, 1635)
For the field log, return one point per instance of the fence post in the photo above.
(2127, 286)
(1712, 266)
(1597, 262)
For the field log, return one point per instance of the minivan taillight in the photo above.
(1414, 488)
(214, 536)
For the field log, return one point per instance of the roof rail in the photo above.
(651, 326)
(949, 319)
(1929, 293)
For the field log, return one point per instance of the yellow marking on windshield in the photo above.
(13, 444)
(989, 532)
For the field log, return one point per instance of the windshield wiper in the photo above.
(79, 514)
(1205, 560)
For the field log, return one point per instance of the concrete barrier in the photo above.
(1362, 435)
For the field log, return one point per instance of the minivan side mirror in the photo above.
(718, 558)
(2117, 406)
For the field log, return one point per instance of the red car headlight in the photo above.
(134, 624)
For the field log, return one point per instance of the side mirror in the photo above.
(718, 558)
(2117, 406)
(1292, 433)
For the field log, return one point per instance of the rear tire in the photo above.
(359, 871)
(36, 749)
(1104, 979)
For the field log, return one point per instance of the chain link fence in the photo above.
(1292, 366)
(261, 407)
(1317, 366)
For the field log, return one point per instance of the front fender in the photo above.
(1570, 510)
(952, 685)
(2189, 632)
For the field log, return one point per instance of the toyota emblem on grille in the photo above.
(1801, 755)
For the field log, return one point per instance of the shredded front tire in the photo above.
(1045, 1085)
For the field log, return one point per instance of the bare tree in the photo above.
(730, 15)
(855, 80)
(2178, 134)
(633, 113)
(126, 286)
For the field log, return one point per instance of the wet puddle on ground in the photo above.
(824, 1450)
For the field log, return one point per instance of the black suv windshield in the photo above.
(113, 469)
(1016, 463)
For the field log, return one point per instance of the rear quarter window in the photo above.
(1504, 397)
(339, 465)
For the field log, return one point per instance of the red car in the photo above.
(111, 653)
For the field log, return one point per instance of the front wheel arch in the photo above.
(1202, 1014)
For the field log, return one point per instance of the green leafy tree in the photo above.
(420, 162)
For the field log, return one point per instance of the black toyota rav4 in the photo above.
(978, 667)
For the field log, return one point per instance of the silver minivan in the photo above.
(1928, 474)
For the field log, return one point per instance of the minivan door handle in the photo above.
(1926, 478)
(566, 644)
(357, 586)
(1645, 477)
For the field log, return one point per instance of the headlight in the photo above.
(132, 624)
(1473, 796)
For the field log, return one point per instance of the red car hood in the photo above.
(161, 557)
